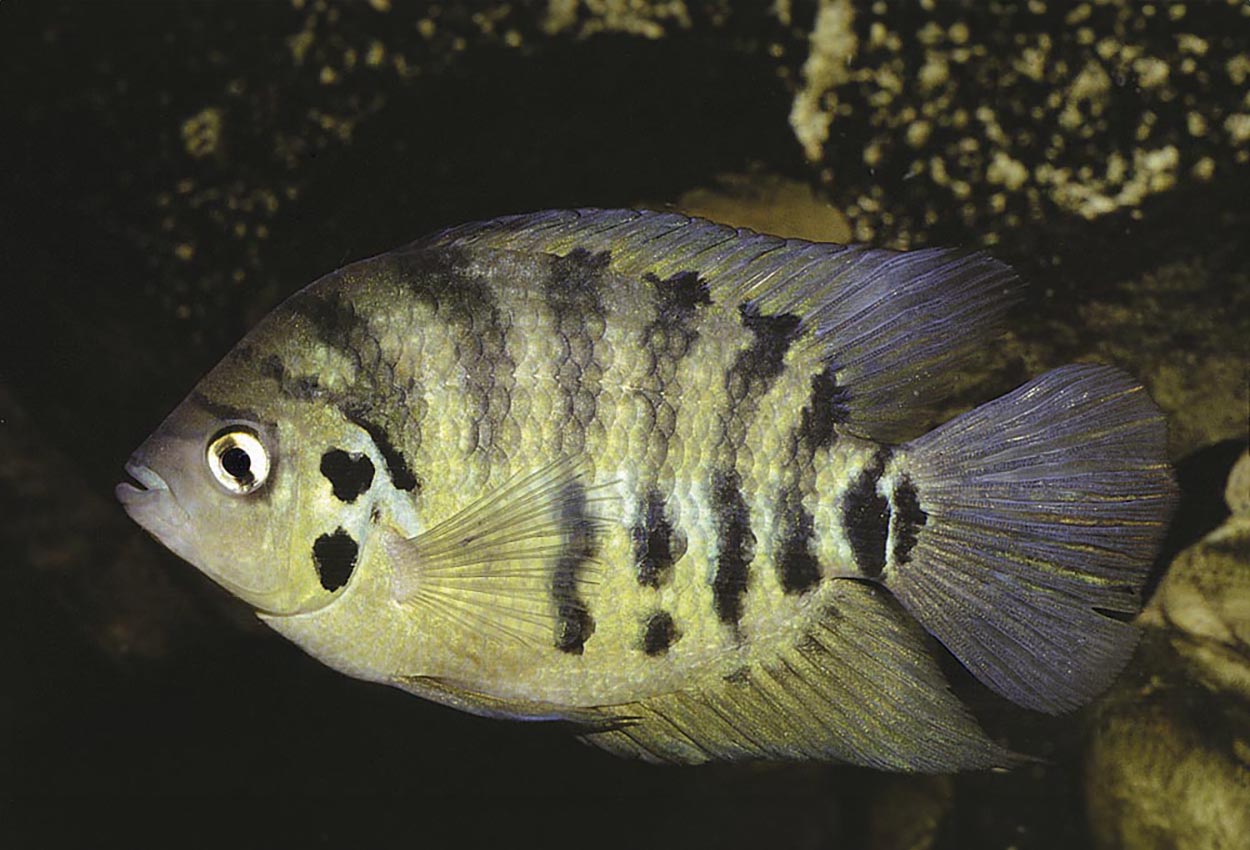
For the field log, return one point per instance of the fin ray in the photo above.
(1045, 508)
(491, 566)
(809, 701)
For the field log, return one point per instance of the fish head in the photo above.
(234, 482)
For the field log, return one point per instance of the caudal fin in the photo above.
(1036, 518)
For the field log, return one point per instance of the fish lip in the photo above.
(148, 480)
(149, 501)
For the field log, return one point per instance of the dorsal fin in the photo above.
(858, 686)
(891, 325)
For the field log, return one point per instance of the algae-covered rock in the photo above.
(1169, 761)
(992, 117)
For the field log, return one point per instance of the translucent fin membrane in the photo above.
(1045, 509)
(861, 686)
(493, 567)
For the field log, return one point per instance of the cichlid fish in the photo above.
(661, 479)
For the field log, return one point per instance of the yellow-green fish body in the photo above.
(650, 475)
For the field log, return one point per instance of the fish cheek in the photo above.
(339, 508)
(244, 541)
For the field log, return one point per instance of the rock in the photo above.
(994, 117)
(1169, 760)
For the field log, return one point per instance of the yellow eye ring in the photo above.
(238, 460)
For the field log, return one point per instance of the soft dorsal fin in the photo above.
(859, 686)
(891, 325)
(516, 564)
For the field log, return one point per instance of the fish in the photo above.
(672, 484)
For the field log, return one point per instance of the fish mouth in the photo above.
(146, 497)
(145, 483)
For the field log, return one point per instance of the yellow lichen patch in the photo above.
(1153, 171)
(646, 18)
(1151, 72)
(1238, 68)
(1077, 15)
(833, 48)
(201, 133)
(1237, 126)
(918, 133)
(1006, 171)
(1088, 89)
(781, 9)
(1189, 43)
(1032, 60)
(381, 5)
(934, 72)
(299, 45)
(931, 34)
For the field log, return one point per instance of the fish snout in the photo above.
(144, 484)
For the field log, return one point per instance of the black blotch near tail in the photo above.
(574, 625)
(657, 546)
(866, 518)
(909, 517)
(335, 558)
(658, 633)
(735, 547)
(349, 475)
(397, 468)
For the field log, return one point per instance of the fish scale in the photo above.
(663, 480)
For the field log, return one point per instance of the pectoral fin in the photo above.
(517, 564)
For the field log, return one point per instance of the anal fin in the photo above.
(861, 687)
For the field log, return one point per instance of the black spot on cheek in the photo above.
(335, 557)
(349, 474)
(401, 475)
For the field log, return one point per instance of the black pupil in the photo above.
(236, 462)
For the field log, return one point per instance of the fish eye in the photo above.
(238, 460)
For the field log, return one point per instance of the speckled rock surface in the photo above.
(1004, 115)
(1169, 761)
(179, 167)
